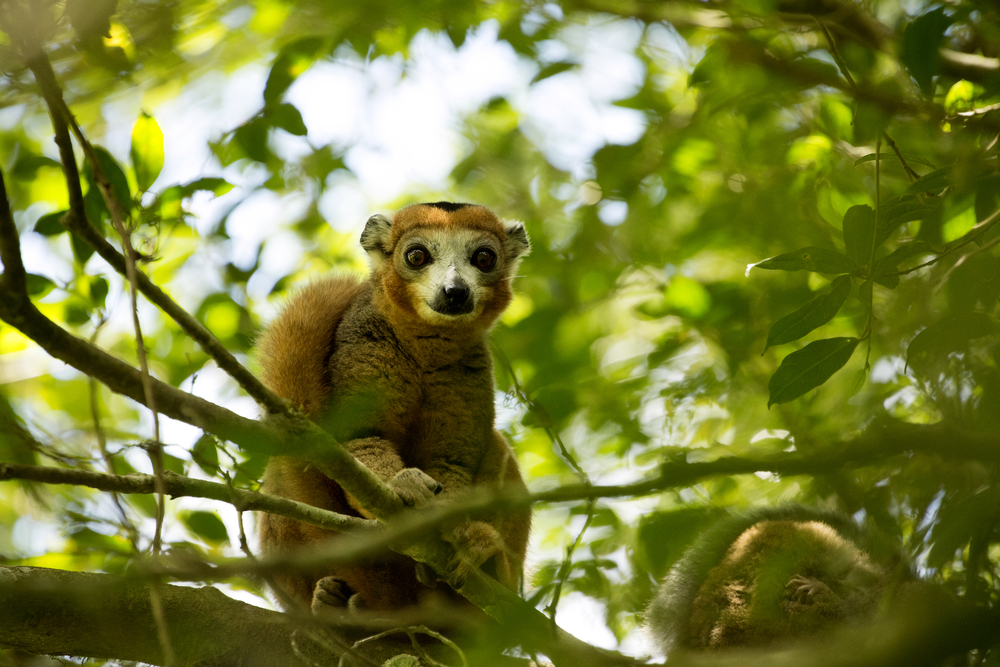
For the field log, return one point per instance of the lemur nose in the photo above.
(456, 294)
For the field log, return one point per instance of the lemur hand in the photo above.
(806, 589)
(414, 486)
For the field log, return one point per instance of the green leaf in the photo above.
(811, 258)
(288, 118)
(888, 265)
(896, 211)
(147, 151)
(934, 181)
(219, 186)
(173, 464)
(38, 286)
(115, 176)
(921, 43)
(858, 382)
(553, 69)
(951, 332)
(808, 368)
(814, 314)
(206, 455)
(859, 234)
(294, 59)
(49, 225)
(28, 165)
(251, 137)
(206, 525)
(962, 96)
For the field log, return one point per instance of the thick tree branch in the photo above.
(45, 611)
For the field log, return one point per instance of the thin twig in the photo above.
(976, 232)
(842, 64)
(178, 486)
(102, 445)
(911, 174)
(567, 563)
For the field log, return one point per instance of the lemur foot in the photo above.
(475, 543)
(414, 486)
(806, 589)
(330, 593)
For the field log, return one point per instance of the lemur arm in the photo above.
(370, 403)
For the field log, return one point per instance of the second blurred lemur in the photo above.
(774, 574)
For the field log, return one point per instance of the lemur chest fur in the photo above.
(432, 390)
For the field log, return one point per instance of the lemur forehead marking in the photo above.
(440, 238)
(447, 215)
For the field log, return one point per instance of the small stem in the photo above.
(913, 175)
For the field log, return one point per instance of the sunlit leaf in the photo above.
(206, 525)
(205, 454)
(147, 150)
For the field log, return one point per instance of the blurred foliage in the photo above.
(850, 156)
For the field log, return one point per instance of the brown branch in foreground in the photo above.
(45, 611)
(883, 441)
(76, 222)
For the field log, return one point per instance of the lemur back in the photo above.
(398, 369)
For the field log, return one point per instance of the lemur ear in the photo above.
(375, 238)
(517, 244)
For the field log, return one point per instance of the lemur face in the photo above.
(446, 263)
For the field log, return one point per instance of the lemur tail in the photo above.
(294, 349)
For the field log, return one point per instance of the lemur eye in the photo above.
(484, 259)
(417, 256)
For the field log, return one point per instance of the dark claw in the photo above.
(438, 489)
